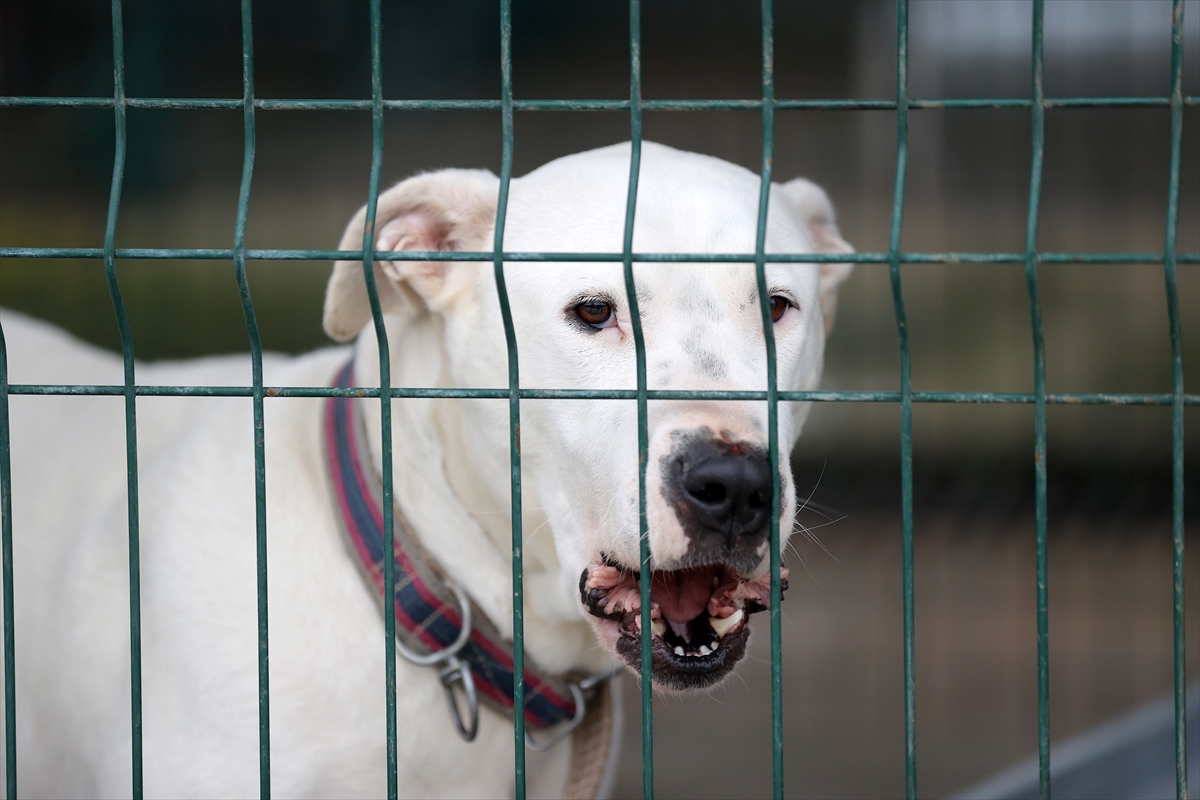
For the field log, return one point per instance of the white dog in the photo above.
(708, 491)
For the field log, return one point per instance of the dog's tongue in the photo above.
(682, 595)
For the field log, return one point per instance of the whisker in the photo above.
(791, 622)
(823, 524)
(808, 499)
(814, 577)
(818, 543)
(529, 536)
(820, 510)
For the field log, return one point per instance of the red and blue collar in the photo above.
(429, 617)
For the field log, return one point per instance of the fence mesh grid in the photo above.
(894, 258)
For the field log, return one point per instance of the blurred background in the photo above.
(1105, 189)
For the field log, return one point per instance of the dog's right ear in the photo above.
(454, 209)
(816, 213)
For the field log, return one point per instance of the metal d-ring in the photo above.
(567, 728)
(451, 650)
(578, 688)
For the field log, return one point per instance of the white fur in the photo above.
(196, 484)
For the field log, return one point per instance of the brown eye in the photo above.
(779, 306)
(597, 313)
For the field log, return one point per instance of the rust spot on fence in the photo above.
(272, 393)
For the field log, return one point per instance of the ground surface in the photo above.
(1110, 636)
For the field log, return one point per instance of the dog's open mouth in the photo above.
(699, 618)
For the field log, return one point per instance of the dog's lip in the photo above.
(699, 617)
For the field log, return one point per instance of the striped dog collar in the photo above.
(435, 623)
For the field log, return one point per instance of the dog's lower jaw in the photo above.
(699, 619)
(674, 671)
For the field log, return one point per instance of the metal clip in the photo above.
(578, 688)
(456, 671)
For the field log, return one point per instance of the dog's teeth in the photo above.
(716, 581)
(722, 626)
(715, 644)
(678, 650)
(658, 626)
(704, 650)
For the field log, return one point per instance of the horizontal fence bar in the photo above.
(224, 254)
(1030, 259)
(866, 104)
(1019, 398)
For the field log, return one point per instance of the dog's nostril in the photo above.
(758, 499)
(711, 493)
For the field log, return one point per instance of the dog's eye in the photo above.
(597, 313)
(779, 307)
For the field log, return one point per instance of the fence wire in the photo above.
(894, 258)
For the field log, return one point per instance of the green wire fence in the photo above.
(239, 254)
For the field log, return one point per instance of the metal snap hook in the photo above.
(456, 671)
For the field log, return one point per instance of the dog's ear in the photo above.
(454, 209)
(816, 212)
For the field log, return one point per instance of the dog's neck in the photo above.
(461, 512)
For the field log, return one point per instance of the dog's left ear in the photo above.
(453, 209)
(816, 212)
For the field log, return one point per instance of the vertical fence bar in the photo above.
(1169, 261)
(760, 272)
(260, 463)
(131, 465)
(1038, 109)
(639, 345)
(906, 474)
(1031, 262)
(385, 396)
(10, 659)
(514, 398)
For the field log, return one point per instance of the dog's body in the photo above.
(196, 491)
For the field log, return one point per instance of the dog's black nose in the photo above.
(726, 489)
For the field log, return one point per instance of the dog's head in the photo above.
(708, 479)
